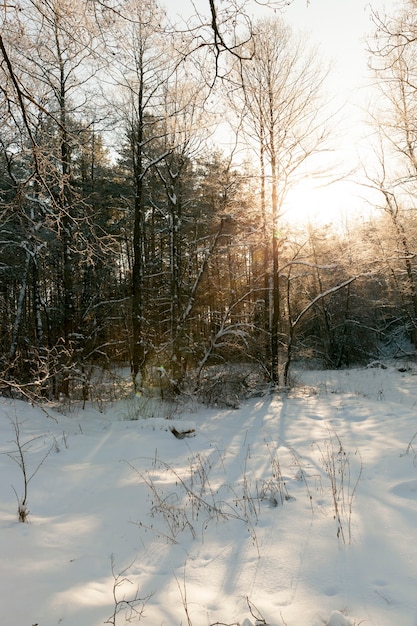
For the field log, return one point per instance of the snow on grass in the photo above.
(295, 510)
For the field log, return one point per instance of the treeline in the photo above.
(127, 238)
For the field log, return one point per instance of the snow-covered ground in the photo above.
(297, 510)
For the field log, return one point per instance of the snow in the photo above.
(338, 619)
(242, 523)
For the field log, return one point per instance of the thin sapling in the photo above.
(19, 456)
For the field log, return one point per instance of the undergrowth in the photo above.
(190, 498)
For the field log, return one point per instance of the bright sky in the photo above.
(339, 28)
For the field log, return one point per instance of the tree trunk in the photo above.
(19, 309)
(138, 348)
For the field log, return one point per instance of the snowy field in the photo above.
(297, 510)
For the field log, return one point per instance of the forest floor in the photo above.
(297, 509)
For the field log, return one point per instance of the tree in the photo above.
(280, 96)
(394, 176)
(223, 31)
(309, 285)
(49, 67)
(134, 35)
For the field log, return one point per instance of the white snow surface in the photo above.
(297, 509)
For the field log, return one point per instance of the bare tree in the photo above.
(137, 35)
(50, 68)
(280, 97)
(394, 174)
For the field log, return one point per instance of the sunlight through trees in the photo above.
(145, 167)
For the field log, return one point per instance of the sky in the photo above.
(339, 28)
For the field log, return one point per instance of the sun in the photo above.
(319, 202)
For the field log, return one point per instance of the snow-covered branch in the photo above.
(320, 297)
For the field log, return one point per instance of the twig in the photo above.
(183, 594)
(256, 614)
(131, 604)
(19, 457)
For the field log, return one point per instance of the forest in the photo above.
(131, 236)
